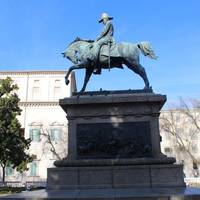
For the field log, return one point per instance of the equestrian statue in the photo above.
(104, 53)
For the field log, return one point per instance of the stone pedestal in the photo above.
(114, 142)
(125, 176)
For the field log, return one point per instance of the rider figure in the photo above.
(106, 37)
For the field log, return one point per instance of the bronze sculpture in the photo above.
(85, 54)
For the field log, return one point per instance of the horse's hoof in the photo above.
(67, 82)
(148, 88)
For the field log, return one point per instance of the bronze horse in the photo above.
(79, 52)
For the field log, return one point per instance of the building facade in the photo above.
(45, 123)
(42, 119)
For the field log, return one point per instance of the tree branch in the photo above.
(50, 142)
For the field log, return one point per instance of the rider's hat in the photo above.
(105, 16)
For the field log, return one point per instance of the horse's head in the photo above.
(72, 51)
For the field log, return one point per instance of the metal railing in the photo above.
(35, 184)
(11, 184)
(27, 184)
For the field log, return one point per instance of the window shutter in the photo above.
(33, 169)
(52, 135)
(9, 171)
(55, 134)
(31, 134)
(36, 135)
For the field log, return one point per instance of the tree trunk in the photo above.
(3, 174)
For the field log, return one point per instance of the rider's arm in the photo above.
(105, 30)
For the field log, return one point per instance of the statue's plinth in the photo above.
(114, 142)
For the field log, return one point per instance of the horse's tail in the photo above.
(146, 50)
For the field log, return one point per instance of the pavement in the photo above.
(110, 194)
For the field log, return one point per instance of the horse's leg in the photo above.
(143, 74)
(88, 74)
(70, 70)
(138, 69)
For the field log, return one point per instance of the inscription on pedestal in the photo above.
(114, 140)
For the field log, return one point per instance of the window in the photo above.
(9, 171)
(35, 93)
(55, 134)
(33, 169)
(57, 93)
(34, 134)
(168, 150)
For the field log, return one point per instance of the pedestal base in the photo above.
(127, 176)
(114, 142)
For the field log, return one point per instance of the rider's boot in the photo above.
(97, 68)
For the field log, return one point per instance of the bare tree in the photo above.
(182, 124)
(56, 147)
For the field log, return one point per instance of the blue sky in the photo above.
(35, 32)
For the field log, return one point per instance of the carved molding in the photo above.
(55, 123)
(35, 124)
(41, 103)
(32, 72)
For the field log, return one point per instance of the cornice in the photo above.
(46, 72)
(177, 110)
(39, 103)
